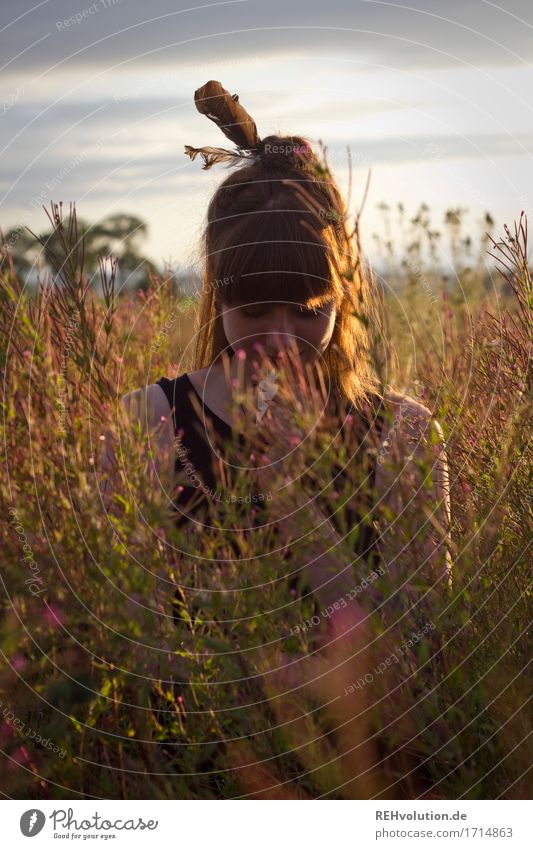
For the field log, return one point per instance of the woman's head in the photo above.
(280, 268)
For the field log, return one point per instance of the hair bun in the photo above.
(289, 151)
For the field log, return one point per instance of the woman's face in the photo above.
(278, 326)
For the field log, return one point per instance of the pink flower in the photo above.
(294, 441)
(241, 354)
(466, 487)
(18, 662)
(53, 616)
(20, 756)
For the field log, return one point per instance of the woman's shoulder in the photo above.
(404, 405)
(391, 402)
(149, 404)
(408, 417)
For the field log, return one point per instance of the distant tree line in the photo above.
(120, 235)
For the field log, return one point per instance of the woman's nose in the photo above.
(281, 336)
(280, 342)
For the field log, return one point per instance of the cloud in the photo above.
(108, 176)
(106, 33)
(100, 108)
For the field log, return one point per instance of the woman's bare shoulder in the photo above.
(149, 404)
(401, 404)
(145, 409)
(409, 416)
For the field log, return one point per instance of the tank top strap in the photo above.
(177, 392)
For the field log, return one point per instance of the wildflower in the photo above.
(18, 661)
(20, 756)
(53, 616)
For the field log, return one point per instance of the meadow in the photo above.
(106, 691)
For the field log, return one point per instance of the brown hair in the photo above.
(276, 231)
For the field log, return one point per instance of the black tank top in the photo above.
(195, 453)
(198, 454)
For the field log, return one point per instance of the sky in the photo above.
(97, 104)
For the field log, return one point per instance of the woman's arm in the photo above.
(412, 489)
(149, 413)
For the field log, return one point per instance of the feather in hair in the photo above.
(212, 155)
(217, 104)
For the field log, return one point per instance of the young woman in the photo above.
(284, 285)
(284, 280)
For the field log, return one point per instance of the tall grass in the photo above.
(109, 690)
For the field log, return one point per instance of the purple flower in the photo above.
(53, 616)
(18, 661)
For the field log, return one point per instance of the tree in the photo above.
(120, 235)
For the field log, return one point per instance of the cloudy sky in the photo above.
(97, 103)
